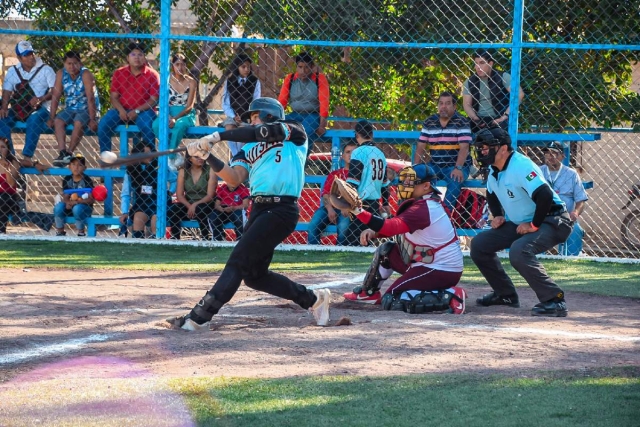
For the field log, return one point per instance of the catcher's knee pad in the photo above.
(429, 301)
(207, 307)
(372, 279)
(393, 302)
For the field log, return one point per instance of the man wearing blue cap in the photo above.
(427, 253)
(29, 102)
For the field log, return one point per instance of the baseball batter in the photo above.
(273, 161)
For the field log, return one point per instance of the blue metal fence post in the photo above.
(165, 32)
(516, 68)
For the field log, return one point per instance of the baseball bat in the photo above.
(138, 157)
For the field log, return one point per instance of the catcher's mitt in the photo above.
(344, 196)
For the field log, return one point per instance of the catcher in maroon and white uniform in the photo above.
(426, 251)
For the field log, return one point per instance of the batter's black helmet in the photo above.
(270, 110)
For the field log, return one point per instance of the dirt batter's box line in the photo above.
(56, 348)
(532, 331)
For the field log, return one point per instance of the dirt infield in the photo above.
(53, 316)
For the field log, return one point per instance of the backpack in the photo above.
(470, 209)
(22, 94)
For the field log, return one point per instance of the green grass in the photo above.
(605, 398)
(572, 275)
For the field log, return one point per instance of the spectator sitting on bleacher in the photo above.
(239, 90)
(134, 93)
(29, 102)
(326, 213)
(143, 179)
(196, 190)
(9, 173)
(79, 204)
(231, 202)
(81, 105)
(182, 97)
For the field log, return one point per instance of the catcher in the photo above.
(426, 252)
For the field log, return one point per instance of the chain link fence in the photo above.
(387, 62)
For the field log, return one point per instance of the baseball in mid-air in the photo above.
(108, 156)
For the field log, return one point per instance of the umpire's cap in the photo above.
(270, 110)
(364, 128)
(492, 136)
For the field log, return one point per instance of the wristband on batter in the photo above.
(216, 164)
(533, 226)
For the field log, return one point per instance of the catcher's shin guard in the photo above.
(206, 308)
(372, 279)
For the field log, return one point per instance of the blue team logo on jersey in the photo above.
(236, 198)
(260, 149)
(510, 194)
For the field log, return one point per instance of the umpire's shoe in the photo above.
(320, 309)
(495, 299)
(185, 322)
(553, 308)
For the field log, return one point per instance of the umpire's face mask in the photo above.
(486, 154)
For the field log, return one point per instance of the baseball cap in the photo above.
(426, 174)
(364, 128)
(79, 157)
(304, 57)
(23, 48)
(554, 146)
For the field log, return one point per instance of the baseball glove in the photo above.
(344, 196)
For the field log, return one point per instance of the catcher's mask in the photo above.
(413, 175)
(269, 109)
(494, 138)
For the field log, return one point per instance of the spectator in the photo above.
(29, 103)
(195, 193)
(182, 97)
(307, 93)
(528, 219)
(448, 136)
(326, 214)
(82, 105)
(566, 182)
(134, 93)
(231, 203)
(9, 175)
(239, 90)
(427, 254)
(368, 173)
(143, 190)
(79, 204)
(485, 95)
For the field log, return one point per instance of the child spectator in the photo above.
(80, 205)
(9, 174)
(239, 90)
(230, 203)
(196, 190)
(143, 179)
(81, 105)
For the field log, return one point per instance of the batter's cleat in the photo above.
(364, 297)
(457, 303)
(495, 299)
(320, 309)
(550, 309)
(185, 322)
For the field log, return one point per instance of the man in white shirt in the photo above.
(41, 79)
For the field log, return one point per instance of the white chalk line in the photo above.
(532, 331)
(56, 348)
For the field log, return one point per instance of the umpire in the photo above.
(529, 218)
(275, 167)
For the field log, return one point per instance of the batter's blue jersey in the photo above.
(514, 187)
(276, 168)
(368, 171)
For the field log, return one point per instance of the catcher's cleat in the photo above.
(320, 309)
(364, 297)
(185, 322)
(457, 303)
(495, 299)
(550, 309)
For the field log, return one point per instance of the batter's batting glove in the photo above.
(202, 147)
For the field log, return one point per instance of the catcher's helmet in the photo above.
(493, 138)
(413, 175)
(270, 110)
